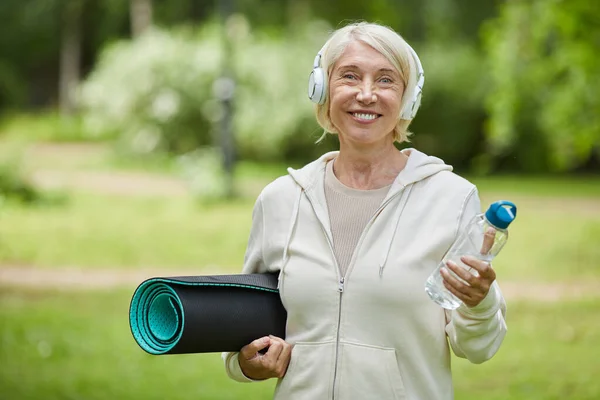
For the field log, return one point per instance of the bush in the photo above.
(13, 184)
(157, 92)
(43, 126)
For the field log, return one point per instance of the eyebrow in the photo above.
(353, 66)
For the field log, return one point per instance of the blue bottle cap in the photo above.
(501, 213)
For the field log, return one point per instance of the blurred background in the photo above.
(135, 136)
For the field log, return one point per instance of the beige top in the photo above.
(349, 212)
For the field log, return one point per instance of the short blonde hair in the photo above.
(391, 45)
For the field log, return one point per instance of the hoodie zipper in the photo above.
(342, 279)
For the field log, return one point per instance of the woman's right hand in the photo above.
(272, 364)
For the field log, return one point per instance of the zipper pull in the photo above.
(341, 285)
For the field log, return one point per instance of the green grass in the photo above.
(126, 232)
(44, 126)
(551, 352)
(78, 346)
(551, 240)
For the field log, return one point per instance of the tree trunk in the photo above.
(298, 13)
(141, 16)
(70, 56)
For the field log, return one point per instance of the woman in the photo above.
(355, 234)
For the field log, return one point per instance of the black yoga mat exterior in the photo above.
(203, 314)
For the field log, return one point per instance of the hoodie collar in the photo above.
(418, 167)
(310, 180)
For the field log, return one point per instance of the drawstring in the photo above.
(397, 215)
(293, 221)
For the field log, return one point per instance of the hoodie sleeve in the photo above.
(476, 333)
(253, 263)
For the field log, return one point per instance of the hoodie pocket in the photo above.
(310, 373)
(368, 372)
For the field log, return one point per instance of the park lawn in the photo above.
(78, 346)
(552, 239)
(551, 352)
(103, 231)
(71, 345)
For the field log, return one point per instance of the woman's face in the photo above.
(365, 92)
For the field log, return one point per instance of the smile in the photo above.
(365, 116)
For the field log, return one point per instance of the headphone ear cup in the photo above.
(410, 109)
(316, 86)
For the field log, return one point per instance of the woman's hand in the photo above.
(477, 287)
(477, 284)
(272, 364)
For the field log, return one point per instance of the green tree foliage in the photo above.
(158, 91)
(544, 109)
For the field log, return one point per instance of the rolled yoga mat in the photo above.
(204, 314)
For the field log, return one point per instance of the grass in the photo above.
(551, 352)
(78, 345)
(551, 240)
(44, 126)
(75, 345)
(126, 232)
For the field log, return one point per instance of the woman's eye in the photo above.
(385, 80)
(349, 76)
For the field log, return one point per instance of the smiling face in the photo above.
(365, 92)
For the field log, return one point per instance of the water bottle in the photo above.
(470, 242)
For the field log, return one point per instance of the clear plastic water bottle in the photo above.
(470, 242)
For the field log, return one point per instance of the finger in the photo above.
(283, 361)
(463, 274)
(249, 351)
(484, 269)
(488, 240)
(457, 285)
(273, 353)
(286, 347)
(465, 298)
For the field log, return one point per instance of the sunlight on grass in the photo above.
(113, 232)
(78, 345)
(550, 353)
(550, 240)
(68, 345)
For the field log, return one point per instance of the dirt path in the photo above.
(50, 157)
(102, 279)
(115, 183)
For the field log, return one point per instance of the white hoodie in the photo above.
(373, 333)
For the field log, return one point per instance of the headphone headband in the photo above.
(317, 86)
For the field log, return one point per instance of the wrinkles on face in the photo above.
(365, 94)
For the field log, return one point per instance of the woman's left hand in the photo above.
(477, 287)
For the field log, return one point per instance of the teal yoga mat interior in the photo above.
(156, 317)
(205, 313)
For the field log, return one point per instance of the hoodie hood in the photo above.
(418, 167)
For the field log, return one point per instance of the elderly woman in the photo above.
(355, 234)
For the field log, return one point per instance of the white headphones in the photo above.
(317, 85)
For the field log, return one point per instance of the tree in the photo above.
(544, 106)
(70, 55)
(141, 16)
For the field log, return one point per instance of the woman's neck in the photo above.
(369, 167)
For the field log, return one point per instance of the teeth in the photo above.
(365, 116)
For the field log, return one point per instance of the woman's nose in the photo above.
(366, 94)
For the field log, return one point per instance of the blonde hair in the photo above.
(391, 45)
